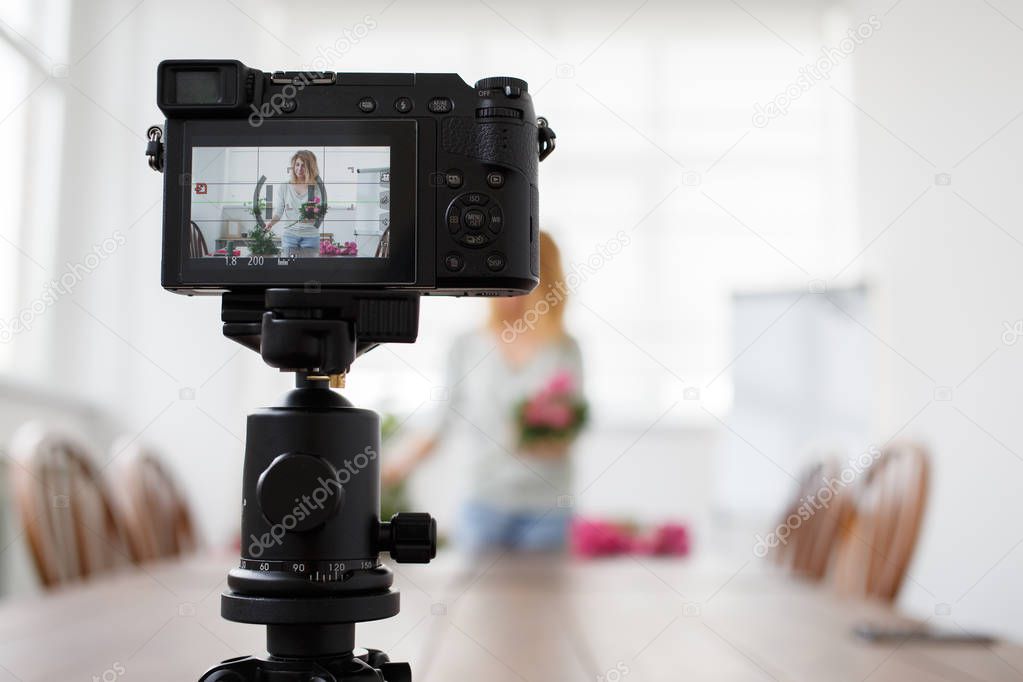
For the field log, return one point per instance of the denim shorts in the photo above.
(292, 243)
(485, 528)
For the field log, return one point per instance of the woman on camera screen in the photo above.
(296, 204)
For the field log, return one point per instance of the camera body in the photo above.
(368, 182)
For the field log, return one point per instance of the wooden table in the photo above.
(502, 619)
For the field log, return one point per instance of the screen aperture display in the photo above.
(272, 205)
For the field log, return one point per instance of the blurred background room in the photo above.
(791, 229)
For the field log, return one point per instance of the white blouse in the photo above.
(484, 390)
(288, 202)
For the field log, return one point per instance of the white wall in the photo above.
(940, 88)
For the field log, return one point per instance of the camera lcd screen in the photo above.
(274, 204)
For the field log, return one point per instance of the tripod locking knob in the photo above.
(409, 537)
(299, 492)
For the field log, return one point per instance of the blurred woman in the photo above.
(522, 352)
(301, 236)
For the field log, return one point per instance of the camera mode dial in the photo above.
(501, 82)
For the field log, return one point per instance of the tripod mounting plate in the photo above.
(320, 331)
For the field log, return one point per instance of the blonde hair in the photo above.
(543, 307)
(312, 169)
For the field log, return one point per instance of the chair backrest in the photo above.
(71, 526)
(880, 536)
(384, 245)
(812, 521)
(197, 247)
(156, 513)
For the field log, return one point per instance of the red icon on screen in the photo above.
(200, 188)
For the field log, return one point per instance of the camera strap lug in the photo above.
(546, 137)
(154, 148)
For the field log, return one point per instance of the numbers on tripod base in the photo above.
(317, 571)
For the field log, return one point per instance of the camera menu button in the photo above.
(475, 219)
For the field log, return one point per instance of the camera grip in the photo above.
(511, 144)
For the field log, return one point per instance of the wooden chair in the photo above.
(156, 513)
(71, 526)
(880, 535)
(384, 245)
(197, 247)
(813, 520)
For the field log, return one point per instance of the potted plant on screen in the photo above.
(261, 241)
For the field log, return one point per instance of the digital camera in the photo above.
(385, 182)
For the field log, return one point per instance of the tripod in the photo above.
(311, 532)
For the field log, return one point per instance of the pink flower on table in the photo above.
(671, 539)
(592, 538)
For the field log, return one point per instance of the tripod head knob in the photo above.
(409, 537)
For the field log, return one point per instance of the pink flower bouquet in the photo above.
(556, 412)
(329, 248)
(313, 210)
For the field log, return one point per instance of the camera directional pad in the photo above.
(473, 219)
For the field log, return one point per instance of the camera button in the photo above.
(440, 105)
(495, 179)
(495, 261)
(454, 222)
(474, 240)
(453, 178)
(403, 105)
(475, 199)
(475, 219)
(289, 105)
(496, 219)
(454, 262)
(367, 105)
